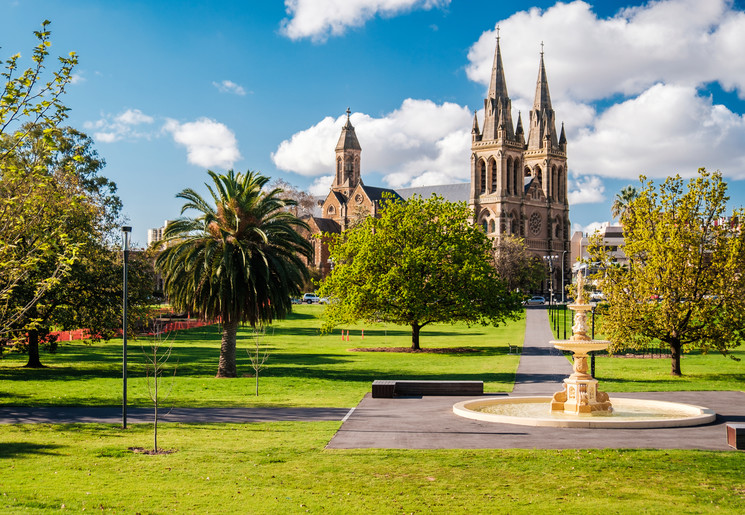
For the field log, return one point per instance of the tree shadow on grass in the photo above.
(17, 449)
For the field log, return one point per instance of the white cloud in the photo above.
(208, 142)
(586, 190)
(419, 143)
(318, 19)
(77, 78)
(591, 228)
(588, 58)
(654, 57)
(667, 129)
(124, 125)
(228, 86)
(321, 186)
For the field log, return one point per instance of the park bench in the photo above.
(736, 436)
(389, 388)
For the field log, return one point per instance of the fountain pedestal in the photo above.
(580, 394)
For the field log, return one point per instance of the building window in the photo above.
(482, 177)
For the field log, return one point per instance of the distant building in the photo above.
(612, 239)
(517, 188)
(156, 234)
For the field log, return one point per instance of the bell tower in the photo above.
(348, 151)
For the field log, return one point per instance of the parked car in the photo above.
(535, 301)
(312, 298)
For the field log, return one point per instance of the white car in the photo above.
(312, 298)
(535, 301)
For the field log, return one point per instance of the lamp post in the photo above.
(563, 286)
(126, 231)
(550, 258)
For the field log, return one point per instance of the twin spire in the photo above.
(498, 111)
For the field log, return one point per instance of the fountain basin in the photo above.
(627, 413)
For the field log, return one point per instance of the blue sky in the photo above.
(169, 89)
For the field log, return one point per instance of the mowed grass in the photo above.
(304, 368)
(621, 373)
(284, 468)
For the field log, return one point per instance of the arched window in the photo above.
(560, 183)
(330, 210)
(493, 166)
(558, 228)
(509, 176)
(539, 175)
(491, 226)
(482, 177)
(485, 226)
(517, 184)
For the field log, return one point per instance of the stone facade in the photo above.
(520, 188)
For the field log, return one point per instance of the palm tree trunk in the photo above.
(226, 367)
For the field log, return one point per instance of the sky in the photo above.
(170, 89)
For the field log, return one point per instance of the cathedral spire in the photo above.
(347, 159)
(542, 124)
(476, 133)
(348, 138)
(497, 103)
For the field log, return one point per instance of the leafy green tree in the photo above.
(31, 199)
(239, 260)
(81, 210)
(421, 262)
(517, 266)
(684, 281)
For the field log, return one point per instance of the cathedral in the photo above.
(518, 181)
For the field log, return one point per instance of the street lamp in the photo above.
(563, 286)
(126, 231)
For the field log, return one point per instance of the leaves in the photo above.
(421, 262)
(683, 283)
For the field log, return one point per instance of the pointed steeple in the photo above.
(563, 138)
(475, 132)
(498, 84)
(497, 103)
(348, 138)
(542, 124)
(519, 130)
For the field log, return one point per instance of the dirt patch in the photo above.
(151, 452)
(443, 350)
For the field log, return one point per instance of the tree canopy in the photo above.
(421, 262)
(517, 266)
(684, 281)
(238, 260)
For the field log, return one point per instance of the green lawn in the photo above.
(284, 468)
(304, 367)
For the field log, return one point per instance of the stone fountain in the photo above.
(580, 403)
(580, 394)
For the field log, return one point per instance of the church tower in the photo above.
(348, 151)
(519, 188)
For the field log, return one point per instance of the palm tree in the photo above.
(240, 260)
(622, 202)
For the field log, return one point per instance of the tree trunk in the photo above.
(675, 358)
(415, 336)
(226, 367)
(33, 350)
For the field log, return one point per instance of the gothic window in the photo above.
(517, 183)
(482, 177)
(539, 175)
(330, 210)
(509, 175)
(535, 224)
(485, 226)
(560, 188)
(491, 226)
(493, 164)
(558, 229)
(527, 173)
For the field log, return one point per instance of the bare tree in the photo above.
(156, 358)
(258, 355)
(305, 202)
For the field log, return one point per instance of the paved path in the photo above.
(542, 368)
(113, 415)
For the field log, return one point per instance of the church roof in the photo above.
(374, 193)
(348, 138)
(326, 225)
(458, 192)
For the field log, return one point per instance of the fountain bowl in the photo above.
(627, 413)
